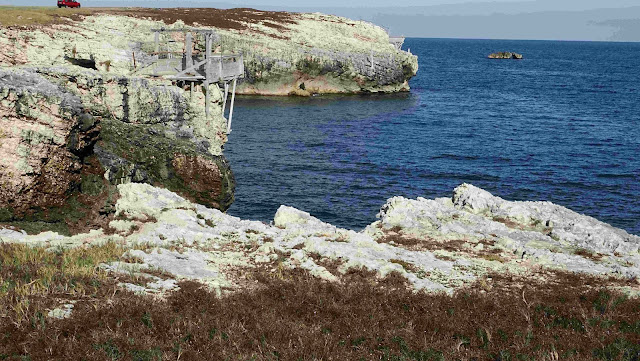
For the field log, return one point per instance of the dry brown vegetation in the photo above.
(33, 279)
(535, 225)
(294, 316)
(237, 19)
(488, 252)
(587, 253)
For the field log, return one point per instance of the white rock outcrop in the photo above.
(438, 244)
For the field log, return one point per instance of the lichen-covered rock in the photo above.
(559, 223)
(289, 54)
(541, 232)
(147, 101)
(67, 131)
(155, 132)
(46, 136)
(435, 244)
(318, 53)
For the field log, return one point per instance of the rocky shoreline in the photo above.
(442, 244)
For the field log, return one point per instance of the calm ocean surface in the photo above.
(562, 125)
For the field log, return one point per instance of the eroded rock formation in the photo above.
(68, 130)
(284, 53)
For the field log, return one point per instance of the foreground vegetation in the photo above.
(292, 316)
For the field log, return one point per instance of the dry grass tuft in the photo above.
(406, 265)
(535, 225)
(488, 252)
(32, 278)
(587, 253)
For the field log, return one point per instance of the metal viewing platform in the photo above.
(196, 67)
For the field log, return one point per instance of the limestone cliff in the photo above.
(69, 136)
(46, 141)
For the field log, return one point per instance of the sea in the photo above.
(561, 125)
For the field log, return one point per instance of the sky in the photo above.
(594, 20)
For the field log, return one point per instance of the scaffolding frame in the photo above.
(221, 69)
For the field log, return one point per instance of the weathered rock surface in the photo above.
(505, 55)
(46, 138)
(128, 129)
(318, 53)
(440, 244)
(156, 133)
(541, 232)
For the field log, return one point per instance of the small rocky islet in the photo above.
(111, 153)
(505, 55)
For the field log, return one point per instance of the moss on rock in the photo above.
(151, 154)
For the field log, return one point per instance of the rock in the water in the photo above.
(505, 55)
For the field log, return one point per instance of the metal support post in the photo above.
(220, 74)
(226, 92)
(372, 58)
(206, 98)
(156, 38)
(188, 51)
(233, 97)
(208, 45)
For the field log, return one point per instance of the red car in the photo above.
(68, 4)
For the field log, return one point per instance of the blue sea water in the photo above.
(562, 125)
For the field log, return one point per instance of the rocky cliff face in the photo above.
(156, 133)
(46, 141)
(317, 53)
(69, 130)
